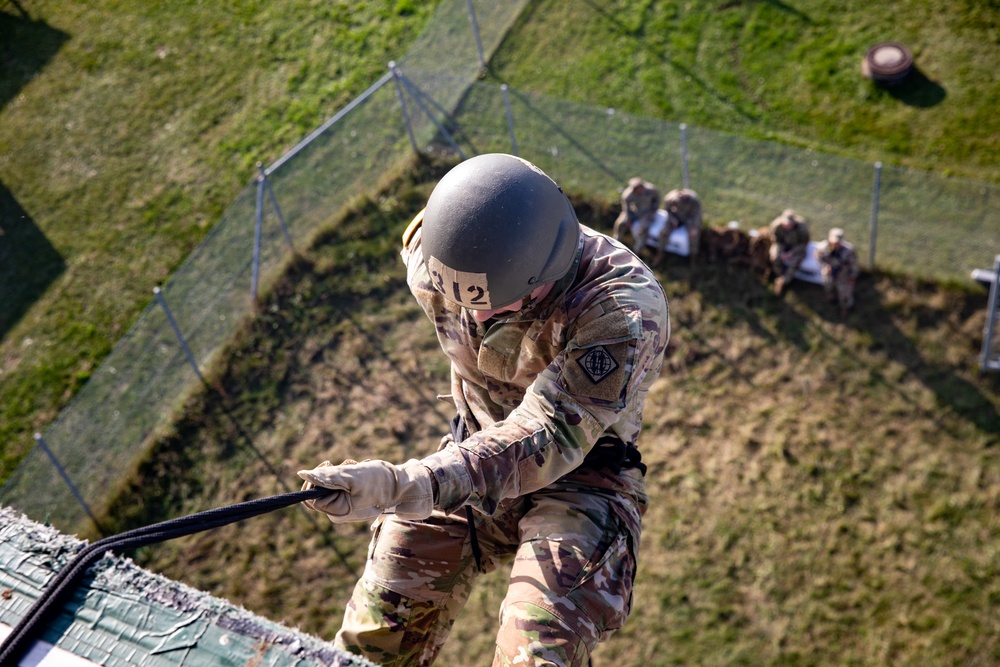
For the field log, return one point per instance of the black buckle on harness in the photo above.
(610, 452)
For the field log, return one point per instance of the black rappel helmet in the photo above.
(495, 228)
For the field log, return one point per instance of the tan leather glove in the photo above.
(371, 488)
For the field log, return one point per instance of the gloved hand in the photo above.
(371, 488)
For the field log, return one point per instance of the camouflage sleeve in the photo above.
(580, 395)
(655, 198)
(852, 263)
(626, 197)
(823, 253)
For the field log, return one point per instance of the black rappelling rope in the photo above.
(62, 584)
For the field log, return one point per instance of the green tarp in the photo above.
(121, 614)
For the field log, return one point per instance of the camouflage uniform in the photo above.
(683, 208)
(639, 205)
(537, 389)
(839, 269)
(788, 245)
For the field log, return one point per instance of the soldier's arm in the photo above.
(605, 369)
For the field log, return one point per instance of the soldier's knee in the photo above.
(389, 628)
(533, 635)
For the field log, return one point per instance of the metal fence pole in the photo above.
(510, 118)
(274, 203)
(684, 155)
(876, 188)
(258, 222)
(177, 332)
(397, 75)
(65, 476)
(990, 360)
(475, 32)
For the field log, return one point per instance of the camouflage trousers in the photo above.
(574, 562)
(785, 266)
(839, 290)
(637, 226)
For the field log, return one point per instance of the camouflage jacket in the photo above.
(640, 205)
(684, 205)
(794, 238)
(539, 387)
(840, 262)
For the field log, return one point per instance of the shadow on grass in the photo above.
(26, 45)
(163, 480)
(641, 36)
(557, 127)
(871, 315)
(744, 296)
(28, 262)
(916, 90)
(747, 299)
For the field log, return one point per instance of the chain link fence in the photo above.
(900, 219)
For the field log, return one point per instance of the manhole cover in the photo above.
(887, 63)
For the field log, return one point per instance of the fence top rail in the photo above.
(325, 126)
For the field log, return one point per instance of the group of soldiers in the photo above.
(640, 203)
(788, 236)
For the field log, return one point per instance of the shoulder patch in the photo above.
(412, 228)
(598, 373)
(598, 363)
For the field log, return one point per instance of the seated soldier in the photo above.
(683, 210)
(839, 269)
(789, 241)
(639, 202)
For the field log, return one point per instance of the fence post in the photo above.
(65, 476)
(274, 203)
(475, 32)
(258, 221)
(990, 360)
(177, 332)
(874, 224)
(396, 74)
(684, 155)
(510, 117)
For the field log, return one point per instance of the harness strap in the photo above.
(459, 432)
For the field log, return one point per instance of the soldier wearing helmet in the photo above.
(789, 243)
(555, 334)
(639, 200)
(683, 210)
(838, 270)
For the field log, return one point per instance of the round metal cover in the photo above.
(887, 63)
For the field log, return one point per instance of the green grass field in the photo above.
(125, 131)
(825, 493)
(779, 70)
